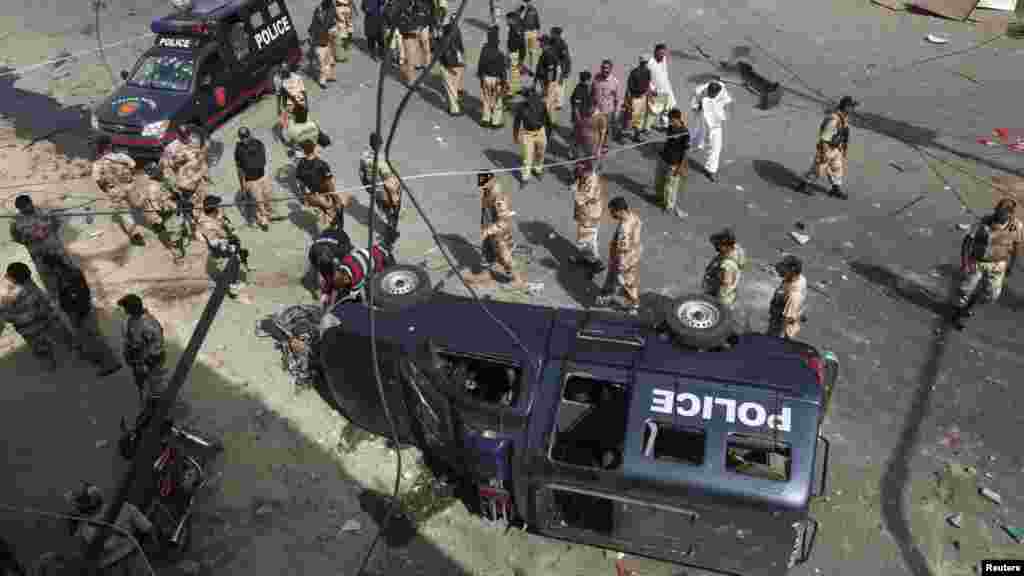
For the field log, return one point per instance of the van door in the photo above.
(430, 410)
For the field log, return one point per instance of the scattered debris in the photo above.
(996, 381)
(936, 39)
(962, 227)
(534, 288)
(349, 526)
(1013, 532)
(800, 238)
(955, 520)
(845, 277)
(740, 188)
(990, 494)
(897, 167)
(101, 443)
(847, 244)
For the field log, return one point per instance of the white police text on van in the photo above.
(273, 32)
(750, 414)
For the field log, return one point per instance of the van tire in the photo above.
(699, 321)
(400, 286)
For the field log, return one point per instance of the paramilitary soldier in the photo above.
(722, 276)
(830, 155)
(341, 32)
(251, 162)
(345, 278)
(75, 299)
(496, 226)
(291, 94)
(144, 350)
(587, 212)
(183, 163)
(39, 231)
(388, 193)
(26, 307)
(787, 306)
(624, 250)
(988, 255)
(114, 173)
(221, 242)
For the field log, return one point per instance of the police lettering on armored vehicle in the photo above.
(207, 61)
(680, 441)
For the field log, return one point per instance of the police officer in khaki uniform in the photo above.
(144, 350)
(341, 32)
(787, 306)
(216, 229)
(988, 255)
(184, 162)
(491, 70)
(316, 177)
(251, 161)
(548, 79)
(292, 93)
(114, 173)
(389, 191)
(496, 226)
(321, 37)
(587, 212)
(722, 275)
(75, 299)
(39, 231)
(625, 250)
(516, 46)
(830, 155)
(673, 166)
(530, 132)
(33, 315)
(530, 18)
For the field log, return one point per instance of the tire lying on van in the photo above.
(400, 286)
(698, 321)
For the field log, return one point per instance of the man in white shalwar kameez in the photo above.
(709, 102)
(664, 97)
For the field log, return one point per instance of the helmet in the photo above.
(23, 202)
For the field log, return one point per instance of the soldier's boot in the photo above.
(960, 313)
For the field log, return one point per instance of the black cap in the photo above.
(556, 30)
(19, 272)
(790, 264)
(585, 76)
(23, 202)
(723, 236)
(211, 202)
(244, 133)
(847, 102)
(131, 303)
(103, 141)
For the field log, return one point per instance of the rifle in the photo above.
(235, 242)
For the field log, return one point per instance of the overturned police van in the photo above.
(209, 59)
(677, 440)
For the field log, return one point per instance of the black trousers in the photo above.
(373, 26)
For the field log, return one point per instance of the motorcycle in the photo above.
(179, 472)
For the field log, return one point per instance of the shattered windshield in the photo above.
(164, 72)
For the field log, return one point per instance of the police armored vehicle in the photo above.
(209, 59)
(677, 440)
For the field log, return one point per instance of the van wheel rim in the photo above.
(400, 283)
(697, 314)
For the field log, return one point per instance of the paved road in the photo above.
(884, 258)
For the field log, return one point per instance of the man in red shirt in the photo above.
(345, 279)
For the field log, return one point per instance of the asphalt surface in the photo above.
(882, 264)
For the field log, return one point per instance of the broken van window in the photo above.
(482, 380)
(590, 428)
(664, 442)
(758, 456)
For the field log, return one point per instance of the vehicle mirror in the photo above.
(124, 74)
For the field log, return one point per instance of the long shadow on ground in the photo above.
(270, 483)
(38, 117)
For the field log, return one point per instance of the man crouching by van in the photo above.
(345, 279)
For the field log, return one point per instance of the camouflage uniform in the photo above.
(36, 319)
(214, 228)
(144, 353)
(587, 212)
(185, 164)
(990, 268)
(787, 306)
(294, 94)
(390, 202)
(114, 173)
(40, 233)
(722, 276)
(624, 254)
(341, 32)
(496, 227)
